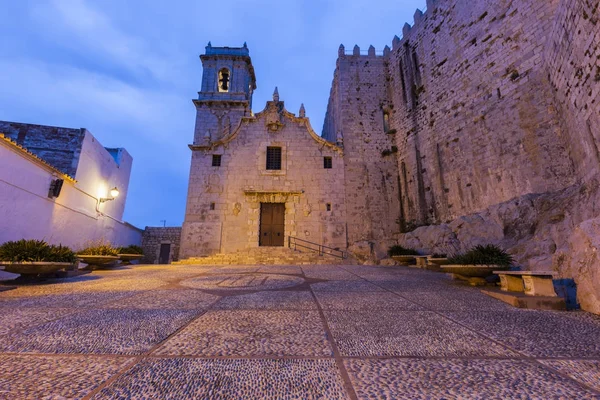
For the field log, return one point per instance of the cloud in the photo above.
(76, 24)
(71, 95)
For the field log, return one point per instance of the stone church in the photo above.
(257, 179)
(480, 125)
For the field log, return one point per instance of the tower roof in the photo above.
(229, 51)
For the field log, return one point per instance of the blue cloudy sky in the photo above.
(127, 70)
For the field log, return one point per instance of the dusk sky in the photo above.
(127, 71)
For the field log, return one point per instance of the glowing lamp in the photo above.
(114, 192)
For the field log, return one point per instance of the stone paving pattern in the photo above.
(319, 332)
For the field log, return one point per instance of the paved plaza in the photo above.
(286, 332)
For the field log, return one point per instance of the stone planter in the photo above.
(473, 274)
(437, 261)
(98, 262)
(405, 260)
(126, 259)
(34, 268)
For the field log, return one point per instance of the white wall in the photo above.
(71, 219)
(97, 173)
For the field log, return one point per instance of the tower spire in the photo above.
(276, 95)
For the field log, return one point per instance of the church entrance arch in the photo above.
(272, 224)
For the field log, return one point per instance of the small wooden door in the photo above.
(272, 223)
(165, 252)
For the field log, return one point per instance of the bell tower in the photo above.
(228, 81)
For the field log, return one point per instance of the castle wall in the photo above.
(359, 98)
(474, 110)
(543, 125)
(573, 63)
(241, 183)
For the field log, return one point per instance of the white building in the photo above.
(55, 185)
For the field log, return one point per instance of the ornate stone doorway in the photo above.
(272, 224)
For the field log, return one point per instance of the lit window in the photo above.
(327, 163)
(216, 160)
(274, 158)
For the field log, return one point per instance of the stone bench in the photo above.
(528, 282)
(421, 261)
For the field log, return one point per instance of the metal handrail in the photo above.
(321, 249)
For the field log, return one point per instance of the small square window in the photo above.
(216, 161)
(274, 158)
(212, 206)
(327, 163)
(328, 206)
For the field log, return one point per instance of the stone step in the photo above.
(266, 256)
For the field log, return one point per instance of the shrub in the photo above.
(131, 249)
(35, 251)
(439, 255)
(483, 255)
(397, 250)
(98, 248)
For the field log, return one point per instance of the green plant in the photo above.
(131, 249)
(35, 251)
(483, 255)
(98, 248)
(398, 250)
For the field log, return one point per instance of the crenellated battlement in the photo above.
(371, 52)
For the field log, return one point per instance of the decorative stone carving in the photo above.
(307, 210)
(273, 116)
(237, 207)
(339, 139)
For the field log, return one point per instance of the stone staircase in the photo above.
(268, 256)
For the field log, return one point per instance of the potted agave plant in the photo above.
(403, 255)
(478, 263)
(98, 255)
(34, 257)
(130, 253)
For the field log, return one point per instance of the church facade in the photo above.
(257, 180)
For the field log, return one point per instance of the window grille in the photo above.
(216, 160)
(327, 163)
(274, 158)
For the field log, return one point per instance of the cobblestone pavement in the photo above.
(286, 332)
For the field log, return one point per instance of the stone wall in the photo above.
(60, 147)
(495, 110)
(573, 62)
(355, 118)
(542, 125)
(474, 109)
(152, 239)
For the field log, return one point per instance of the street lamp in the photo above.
(114, 192)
